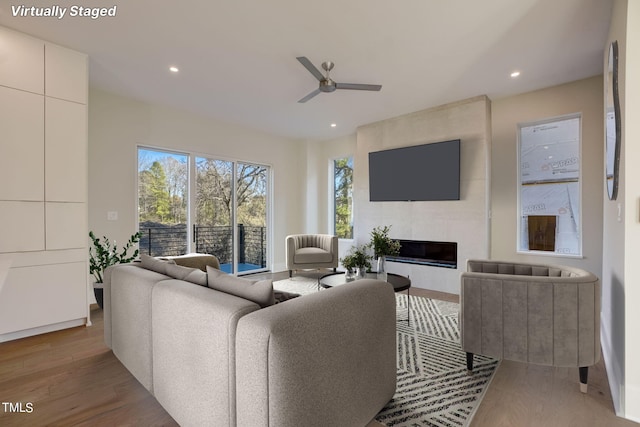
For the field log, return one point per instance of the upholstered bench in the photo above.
(532, 313)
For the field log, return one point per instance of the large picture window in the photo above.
(549, 187)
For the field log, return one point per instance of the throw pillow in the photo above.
(260, 292)
(193, 275)
(154, 264)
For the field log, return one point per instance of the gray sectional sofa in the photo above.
(213, 358)
(534, 313)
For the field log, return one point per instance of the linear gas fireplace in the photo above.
(436, 254)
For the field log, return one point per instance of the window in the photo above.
(221, 211)
(549, 187)
(343, 197)
(162, 202)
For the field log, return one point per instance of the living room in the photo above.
(486, 218)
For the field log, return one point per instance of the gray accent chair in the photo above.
(532, 313)
(311, 251)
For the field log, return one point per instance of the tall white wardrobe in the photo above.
(43, 186)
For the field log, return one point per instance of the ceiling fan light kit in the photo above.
(325, 83)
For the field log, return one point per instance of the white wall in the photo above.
(631, 144)
(584, 96)
(117, 125)
(465, 221)
(621, 270)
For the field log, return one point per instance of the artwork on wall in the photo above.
(612, 123)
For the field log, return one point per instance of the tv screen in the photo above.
(419, 173)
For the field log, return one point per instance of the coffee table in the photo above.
(400, 283)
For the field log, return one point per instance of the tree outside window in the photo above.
(343, 197)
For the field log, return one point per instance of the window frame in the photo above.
(519, 187)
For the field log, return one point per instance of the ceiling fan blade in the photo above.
(312, 68)
(309, 96)
(357, 86)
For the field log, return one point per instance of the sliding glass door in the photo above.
(214, 213)
(224, 213)
(251, 219)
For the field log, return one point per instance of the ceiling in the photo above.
(237, 58)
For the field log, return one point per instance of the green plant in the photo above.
(382, 244)
(348, 262)
(357, 257)
(103, 254)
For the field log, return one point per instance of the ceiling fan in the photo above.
(326, 84)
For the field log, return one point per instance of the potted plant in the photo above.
(383, 246)
(104, 254)
(357, 259)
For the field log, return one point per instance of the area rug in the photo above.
(434, 388)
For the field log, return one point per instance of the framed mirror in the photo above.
(612, 123)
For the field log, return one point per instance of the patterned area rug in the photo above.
(433, 388)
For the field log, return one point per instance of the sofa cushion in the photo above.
(193, 275)
(196, 260)
(260, 292)
(540, 271)
(155, 264)
(311, 256)
(523, 270)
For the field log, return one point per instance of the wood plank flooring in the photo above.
(73, 379)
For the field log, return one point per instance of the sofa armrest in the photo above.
(323, 359)
(290, 250)
(194, 352)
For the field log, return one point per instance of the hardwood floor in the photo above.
(72, 379)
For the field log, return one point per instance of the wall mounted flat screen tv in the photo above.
(419, 173)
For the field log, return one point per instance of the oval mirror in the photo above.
(612, 123)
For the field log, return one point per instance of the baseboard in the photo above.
(614, 372)
(632, 397)
(44, 329)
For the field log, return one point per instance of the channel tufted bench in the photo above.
(532, 313)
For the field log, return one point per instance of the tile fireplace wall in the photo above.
(465, 221)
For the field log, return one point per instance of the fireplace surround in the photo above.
(422, 252)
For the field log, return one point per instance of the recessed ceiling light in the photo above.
(174, 69)
(333, 125)
(515, 74)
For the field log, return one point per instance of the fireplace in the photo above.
(436, 254)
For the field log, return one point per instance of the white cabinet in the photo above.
(21, 226)
(65, 151)
(21, 61)
(66, 76)
(21, 145)
(66, 225)
(43, 196)
(42, 295)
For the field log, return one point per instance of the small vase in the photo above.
(382, 268)
(360, 272)
(349, 275)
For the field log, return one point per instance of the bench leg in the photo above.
(584, 376)
(470, 362)
(290, 273)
